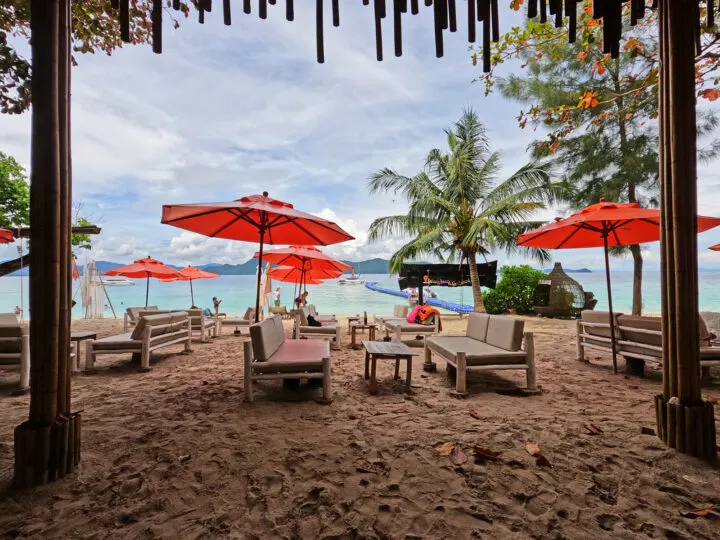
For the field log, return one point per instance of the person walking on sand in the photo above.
(276, 297)
(216, 303)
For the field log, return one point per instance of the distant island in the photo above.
(571, 270)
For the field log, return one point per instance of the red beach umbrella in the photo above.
(604, 224)
(144, 268)
(716, 247)
(256, 218)
(294, 274)
(191, 273)
(307, 259)
(6, 236)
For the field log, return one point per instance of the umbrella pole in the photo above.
(147, 289)
(259, 274)
(192, 295)
(610, 306)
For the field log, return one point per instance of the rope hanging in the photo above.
(445, 14)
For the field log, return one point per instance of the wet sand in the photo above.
(177, 453)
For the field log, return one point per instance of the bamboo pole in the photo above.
(44, 213)
(610, 305)
(65, 209)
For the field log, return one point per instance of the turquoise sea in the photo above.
(237, 293)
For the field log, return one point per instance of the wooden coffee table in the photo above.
(77, 337)
(370, 327)
(387, 350)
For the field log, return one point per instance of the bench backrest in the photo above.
(401, 311)
(9, 318)
(505, 333)
(645, 330)
(196, 317)
(311, 310)
(134, 312)
(302, 315)
(11, 339)
(477, 326)
(161, 324)
(267, 336)
(597, 317)
(282, 310)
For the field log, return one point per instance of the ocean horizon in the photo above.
(238, 293)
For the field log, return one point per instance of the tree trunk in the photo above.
(637, 279)
(479, 306)
(632, 197)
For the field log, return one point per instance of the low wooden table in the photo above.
(77, 337)
(362, 326)
(353, 319)
(387, 350)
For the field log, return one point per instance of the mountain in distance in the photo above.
(571, 270)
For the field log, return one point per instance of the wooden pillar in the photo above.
(685, 422)
(47, 445)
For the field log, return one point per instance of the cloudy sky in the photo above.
(229, 111)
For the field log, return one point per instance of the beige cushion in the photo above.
(295, 356)
(477, 326)
(476, 352)
(401, 311)
(267, 336)
(121, 341)
(9, 318)
(405, 326)
(160, 319)
(505, 332)
(704, 334)
(134, 312)
(303, 313)
(12, 340)
(325, 330)
(629, 322)
(709, 353)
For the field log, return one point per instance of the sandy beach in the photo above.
(177, 453)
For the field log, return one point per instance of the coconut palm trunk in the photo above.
(478, 305)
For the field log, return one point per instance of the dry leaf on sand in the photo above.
(476, 416)
(532, 448)
(457, 456)
(183, 459)
(700, 512)
(592, 429)
(542, 461)
(445, 449)
(484, 454)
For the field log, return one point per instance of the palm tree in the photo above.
(456, 206)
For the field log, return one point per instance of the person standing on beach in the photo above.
(216, 303)
(276, 297)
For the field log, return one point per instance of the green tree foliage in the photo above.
(95, 29)
(14, 193)
(517, 287)
(599, 113)
(15, 201)
(458, 209)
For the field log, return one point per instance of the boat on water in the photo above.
(352, 280)
(118, 281)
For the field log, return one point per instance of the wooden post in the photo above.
(681, 413)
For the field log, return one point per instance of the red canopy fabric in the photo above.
(143, 268)
(304, 257)
(716, 247)
(293, 274)
(6, 236)
(625, 224)
(191, 272)
(255, 218)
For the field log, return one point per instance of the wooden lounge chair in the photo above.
(132, 316)
(206, 326)
(268, 355)
(152, 332)
(400, 328)
(15, 348)
(238, 323)
(328, 330)
(491, 342)
(638, 339)
(400, 311)
(279, 310)
(320, 318)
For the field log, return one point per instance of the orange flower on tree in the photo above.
(588, 99)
